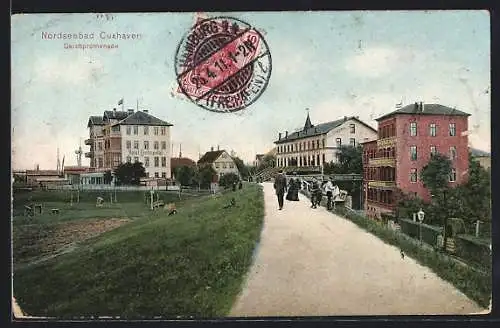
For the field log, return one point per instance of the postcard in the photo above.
(202, 165)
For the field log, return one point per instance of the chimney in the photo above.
(286, 134)
(279, 136)
(211, 148)
(145, 111)
(345, 118)
(218, 148)
(130, 111)
(416, 106)
(421, 106)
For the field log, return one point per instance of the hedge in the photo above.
(429, 233)
(475, 250)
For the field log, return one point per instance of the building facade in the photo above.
(129, 136)
(221, 161)
(482, 157)
(407, 138)
(315, 145)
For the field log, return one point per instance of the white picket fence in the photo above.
(106, 187)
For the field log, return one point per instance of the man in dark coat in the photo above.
(280, 187)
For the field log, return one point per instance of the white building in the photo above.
(315, 145)
(129, 136)
(221, 161)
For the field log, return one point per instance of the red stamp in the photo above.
(223, 64)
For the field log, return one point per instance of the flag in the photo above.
(120, 102)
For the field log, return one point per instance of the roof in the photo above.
(429, 109)
(478, 152)
(143, 118)
(95, 120)
(115, 115)
(181, 161)
(315, 130)
(42, 172)
(76, 168)
(210, 156)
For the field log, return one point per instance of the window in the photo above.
(216, 165)
(352, 142)
(146, 145)
(156, 175)
(146, 161)
(413, 153)
(129, 144)
(163, 161)
(136, 144)
(156, 130)
(413, 129)
(337, 157)
(324, 159)
(317, 143)
(300, 146)
(413, 175)
(136, 159)
(453, 152)
(129, 129)
(224, 166)
(163, 145)
(231, 165)
(433, 150)
(432, 129)
(156, 145)
(352, 128)
(115, 128)
(323, 141)
(136, 130)
(453, 175)
(163, 174)
(99, 145)
(129, 159)
(453, 131)
(163, 130)
(100, 162)
(157, 161)
(146, 130)
(339, 142)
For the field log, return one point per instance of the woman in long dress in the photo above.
(296, 187)
(289, 194)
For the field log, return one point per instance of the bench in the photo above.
(54, 211)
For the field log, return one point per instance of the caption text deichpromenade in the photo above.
(90, 40)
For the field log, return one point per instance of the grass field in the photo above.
(189, 264)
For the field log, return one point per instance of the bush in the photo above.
(227, 180)
(473, 283)
(475, 250)
(429, 233)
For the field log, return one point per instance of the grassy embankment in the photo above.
(189, 264)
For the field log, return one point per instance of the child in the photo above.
(315, 194)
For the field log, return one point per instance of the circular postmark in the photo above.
(222, 64)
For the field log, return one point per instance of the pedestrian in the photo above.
(240, 185)
(329, 188)
(315, 194)
(291, 186)
(280, 187)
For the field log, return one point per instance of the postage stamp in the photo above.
(223, 64)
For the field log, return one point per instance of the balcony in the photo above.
(386, 142)
(381, 184)
(88, 154)
(382, 161)
(88, 142)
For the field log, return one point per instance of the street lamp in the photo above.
(421, 216)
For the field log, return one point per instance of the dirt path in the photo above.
(312, 262)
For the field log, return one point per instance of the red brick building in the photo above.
(406, 139)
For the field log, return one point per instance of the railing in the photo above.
(381, 183)
(386, 142)
(383, 161)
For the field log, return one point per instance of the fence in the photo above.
(107, 187)
(429, 233)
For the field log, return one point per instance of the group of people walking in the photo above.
(293, 186)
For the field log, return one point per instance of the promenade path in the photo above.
(313, 262)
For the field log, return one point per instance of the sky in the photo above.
(350, 63)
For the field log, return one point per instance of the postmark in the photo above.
(223, 64)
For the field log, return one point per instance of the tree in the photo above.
(108, 177)
(129, 173)
(227, 180)
(205, 175)
(350, 161)
(186, 175)
(436, 174)
(269, 160)
(242, 168)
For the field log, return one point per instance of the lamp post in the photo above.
(421, 216)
